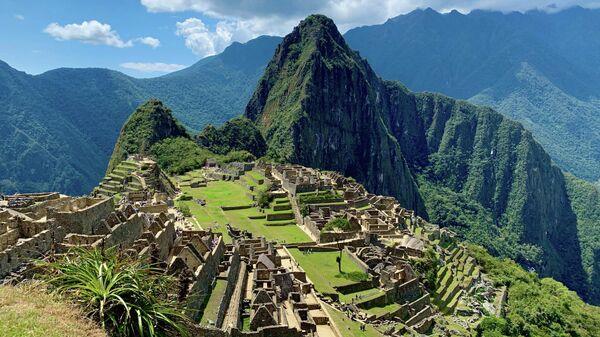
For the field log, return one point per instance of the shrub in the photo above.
(184, 209)
(239, 156)
(179, 155)
(319, 197)
(338, 223)
(126, 296)
(185, 197)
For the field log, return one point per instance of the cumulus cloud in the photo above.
(156, 67)
(205, 42)
(19, 17)
(149, 41)
(94, 32)
(241, 20)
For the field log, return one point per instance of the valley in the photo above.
(292, 187)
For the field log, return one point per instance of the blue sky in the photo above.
(146, 38)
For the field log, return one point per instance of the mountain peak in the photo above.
(316, 29)
(150, 123)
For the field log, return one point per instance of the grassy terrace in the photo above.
(322, 269)
(348, 327)
(214, 301)
(27, 311)
(230, 193)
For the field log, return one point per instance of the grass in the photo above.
(229, 193)
(368, 293)
(348, 327)
(322, 269)
(125, 295)
(379, 311)
(211, 310)
(27, 310)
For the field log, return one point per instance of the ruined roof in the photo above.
(265, 261)
(262, 297)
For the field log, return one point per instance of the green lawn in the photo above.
(229, 193)
(360, 295)
(378, 311)
(212, 307)
(322, 269)
(348, 327)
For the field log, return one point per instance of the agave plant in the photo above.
(128, 297)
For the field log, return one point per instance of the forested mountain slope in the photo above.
(319, 104)
(541, 69)
(59, 128)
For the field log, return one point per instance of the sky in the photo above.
(146, 38)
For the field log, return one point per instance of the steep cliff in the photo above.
(319, 104)
(150, 123)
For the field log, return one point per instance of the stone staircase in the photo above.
(456, 278)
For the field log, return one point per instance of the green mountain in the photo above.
(237, 134)
(319, 104)
(59, 128)
(149, 124)
(538, 68)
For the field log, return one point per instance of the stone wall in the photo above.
(124, 234)
(269, 331)
(205, 275)
(232, 278)
(28, 248)
(234, 317)
(86, 220)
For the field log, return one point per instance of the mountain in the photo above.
(149, 124)
(59, 128)
(320, 104)
(541, 69)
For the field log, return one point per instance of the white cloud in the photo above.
(149, 41)
(19, 17)
(281, 16)
(201, 40)
(156, 67)
(242, 20)
(94, 32)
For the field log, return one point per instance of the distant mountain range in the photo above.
(540, 69)
(59, 128)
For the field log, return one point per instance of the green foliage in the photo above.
(185, 197)
(239, 156)
(585, 200)
(337, 224)
(59, 128)
(184, 209)
(475, 223)
(126, 296)
(150, 123)
(428, 267)
(319, 197)
(238, 134)
(179, 155)
(263, 197)
(535, 307)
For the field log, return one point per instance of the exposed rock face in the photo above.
(150, 123)
(319, 104)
